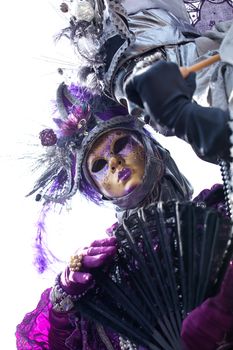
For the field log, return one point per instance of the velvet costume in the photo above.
(206, 327)
(46, 329)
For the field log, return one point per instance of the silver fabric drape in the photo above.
(176, 7)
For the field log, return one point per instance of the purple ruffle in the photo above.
(45, 329)
(207, 327)
(33, 332)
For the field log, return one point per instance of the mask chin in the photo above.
(110, 199)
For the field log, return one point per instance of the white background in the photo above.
(28, 83)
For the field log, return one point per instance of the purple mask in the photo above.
(116, 163)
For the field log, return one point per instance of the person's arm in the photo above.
(54, 325)
(167, 99)
(210, 326)
(43, 328)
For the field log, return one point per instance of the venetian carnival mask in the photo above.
(99, 150)
(116, 163)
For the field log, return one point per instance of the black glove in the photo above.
(166, 98)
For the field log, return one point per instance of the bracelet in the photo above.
(62, 301)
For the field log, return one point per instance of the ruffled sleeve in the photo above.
(43, 328)
(32, 332)
(46, 329)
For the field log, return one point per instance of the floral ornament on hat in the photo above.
(73, 120)
(61, 143)
(48, 137)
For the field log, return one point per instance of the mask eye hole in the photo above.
(98, 165)
(120, 144)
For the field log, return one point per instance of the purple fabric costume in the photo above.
(44, 328)
(210, 325)
(207, 327)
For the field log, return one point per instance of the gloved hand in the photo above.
(158, 85)
(99, 255)
(161, 90)
(211, 324)
(166, 98)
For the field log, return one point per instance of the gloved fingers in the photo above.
(91, 262)
(69, 278)
(154, 86)
(191, 84)
(110, 241)
(76, 283)
(131, 93)
(101, 250)
(213, 196)
(83, 278)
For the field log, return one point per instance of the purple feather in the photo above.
(43, 256)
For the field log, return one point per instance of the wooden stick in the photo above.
(200, 65)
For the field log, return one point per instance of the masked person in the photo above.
(102, 152)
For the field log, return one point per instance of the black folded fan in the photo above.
(172, 256)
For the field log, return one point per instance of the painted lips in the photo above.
(124, 174)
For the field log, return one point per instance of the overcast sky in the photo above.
(28, 83)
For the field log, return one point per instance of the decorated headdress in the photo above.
(82, 118)
(100, 35)
(79, 118)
